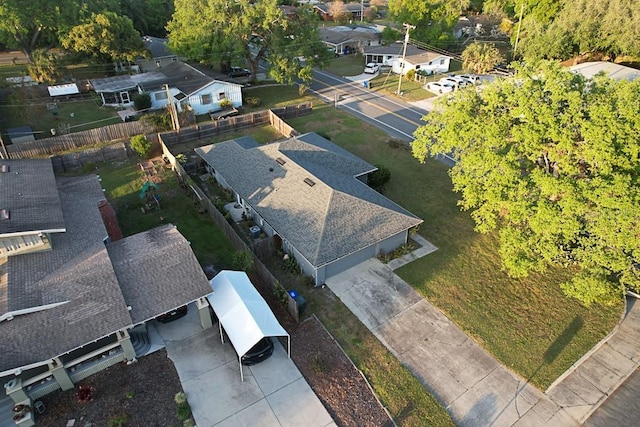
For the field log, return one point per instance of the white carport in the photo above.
(243, 313)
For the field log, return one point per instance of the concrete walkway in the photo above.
(475, 388)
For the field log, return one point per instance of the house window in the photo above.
(429, 63)
(417, 67)
(205, 99)
(160, 96)
(442, 62)
(222, 95)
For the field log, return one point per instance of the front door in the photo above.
(124, 96)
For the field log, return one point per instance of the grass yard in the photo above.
(123, 182)
(346, 65)
(528, 324)
(387, 83)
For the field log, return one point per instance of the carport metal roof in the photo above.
(243, 313)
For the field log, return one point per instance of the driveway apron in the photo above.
(469, 382)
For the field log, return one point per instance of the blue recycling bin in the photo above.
(301, 302)
(365, 84)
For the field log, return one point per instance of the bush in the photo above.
(226, 103)
(378, 180)
(253, 102)
(159, 121)
(141, 145)
(141, 101)
(411, 75)
(242, 260)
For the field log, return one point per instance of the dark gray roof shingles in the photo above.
(337, 216)
(157, 272)
(28, 191)
(77, 271)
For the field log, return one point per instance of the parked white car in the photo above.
(471, 78)
(438, 87)
(371, 68)
(453, 82)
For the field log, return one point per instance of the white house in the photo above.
(187, 86)
(387, 55)
(431, 62)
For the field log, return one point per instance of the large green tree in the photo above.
(481, 57)
(30, 24)
(106, 36)
(232, 33)
(433, 19)
(552, 163)
(560, 30)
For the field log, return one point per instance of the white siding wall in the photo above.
(437, 65)
(208, 98)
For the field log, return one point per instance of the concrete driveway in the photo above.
(273, 393)
(474, 387)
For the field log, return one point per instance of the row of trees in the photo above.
(553, 29)
(33, 24)
(551, 162)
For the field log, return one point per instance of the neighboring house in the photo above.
(612, 70)
(345, 39)
(69, 297)
(188, 88)
(430, 62)
(311, 195)
(387, 55)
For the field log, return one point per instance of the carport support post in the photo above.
(125, 342)
(57, 369)
(241, 373)
(203, 312)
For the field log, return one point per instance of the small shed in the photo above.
(21, 134)
(63, 90)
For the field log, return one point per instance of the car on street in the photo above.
(471, 78)
(238, 72)
(455, 83)
(438, 87)
(371, 68)
(174, 314)
(259, 352)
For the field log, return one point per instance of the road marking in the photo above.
(383, 109)
(330, 100)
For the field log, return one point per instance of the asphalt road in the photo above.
(399, 119)
(622, 408)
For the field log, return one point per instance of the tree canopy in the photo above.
(231, 33)
(481, 57)
(107, 36)
(561, 30)
(552, 163)
(433, 19)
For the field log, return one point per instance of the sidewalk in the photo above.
(475, 388)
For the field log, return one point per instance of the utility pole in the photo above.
(172, 109)
(361, 10)
(515, 45)
(404, 52)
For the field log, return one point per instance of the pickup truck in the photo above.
(238, 72)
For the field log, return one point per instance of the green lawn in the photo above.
(528, 324)
(346, 65)
(123, 182)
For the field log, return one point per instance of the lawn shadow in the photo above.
(558, 345)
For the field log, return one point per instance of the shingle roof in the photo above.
(335, 217)
(423, 57)
(157, 271)
(392, 49)
(77, 271)
(28, 190)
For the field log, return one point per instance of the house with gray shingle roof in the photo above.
(313, 197)
(67, 308)
(186, 86)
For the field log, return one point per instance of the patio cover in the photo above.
(243, 312)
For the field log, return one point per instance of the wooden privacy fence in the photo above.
(71, 141)
(275, 117)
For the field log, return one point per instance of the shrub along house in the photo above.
(312, 197)
(188, 88)
(69, 297)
